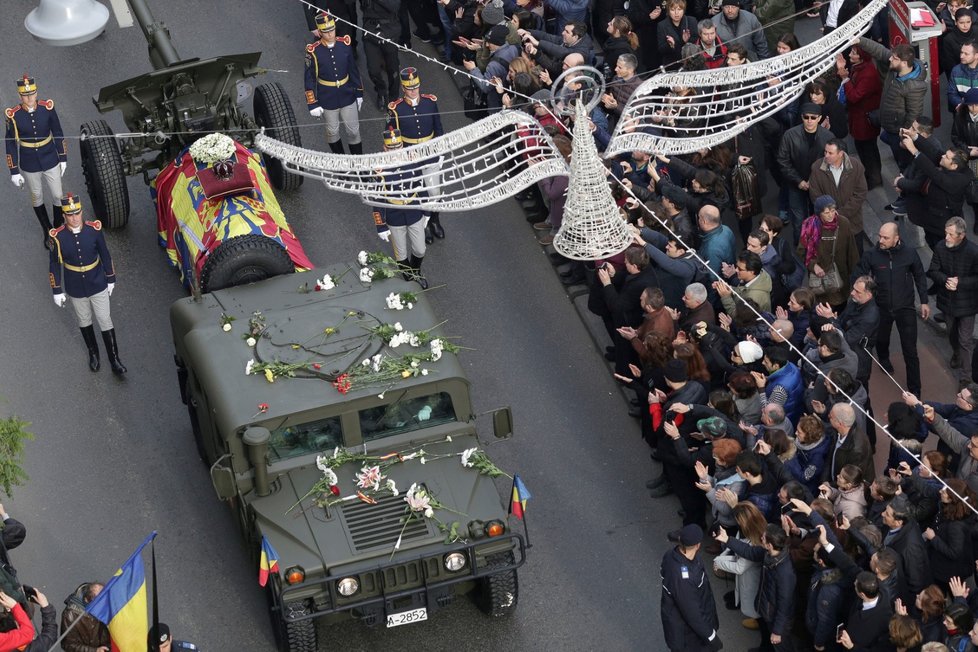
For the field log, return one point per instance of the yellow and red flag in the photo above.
(268, 563)
(122, 605)
(520, 495)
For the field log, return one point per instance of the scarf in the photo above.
(811, 235)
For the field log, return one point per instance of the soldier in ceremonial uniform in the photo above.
(81, 267)
(346, 10)
(333, 86)
(416, 116)
(36, 153)
(401, 225)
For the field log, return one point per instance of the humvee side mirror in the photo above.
(502, 423)
(222, 478)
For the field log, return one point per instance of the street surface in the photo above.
(114, 459)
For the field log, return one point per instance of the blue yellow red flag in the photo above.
(268, 563)
(122, 604)
(520, 495)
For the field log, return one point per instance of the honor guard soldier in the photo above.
(36, 152)
(333, 86)
(402, 225)
(81, 267)
(416, 116)
(345, 10)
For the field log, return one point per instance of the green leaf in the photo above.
(13, 433)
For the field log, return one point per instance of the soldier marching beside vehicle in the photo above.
(333, 86)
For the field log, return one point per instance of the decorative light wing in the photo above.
(725, 101)
(475, 166)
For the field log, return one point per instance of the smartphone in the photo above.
(838, 520)
(838, 631)
(786, 507)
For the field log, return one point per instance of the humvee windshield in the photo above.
(312, 437)
(406, 415)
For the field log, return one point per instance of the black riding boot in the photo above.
(42, 217)
(88, 334)
(337, 147)
(58, 216)
(356, 148)
(416, 268)
(112, 350)
(435, 225)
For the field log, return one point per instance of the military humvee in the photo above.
(347, 552)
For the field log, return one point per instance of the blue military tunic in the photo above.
(332, 77)
(400, 212)
(85, 259)
(35, 142)
(416, 123)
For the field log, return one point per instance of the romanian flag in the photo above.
(268, 562)
(520, 495)
(122, 604)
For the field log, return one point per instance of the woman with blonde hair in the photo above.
(747, 573)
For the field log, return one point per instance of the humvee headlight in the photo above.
(295, 575)
(495, 528)
(454, 561)
(348, 586)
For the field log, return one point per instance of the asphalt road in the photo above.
(113, 460)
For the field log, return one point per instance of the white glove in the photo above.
(425, 413)
(60, 300)
(317, 112)
(385, 236)
(424, 222)
(111, 287)
(359, 103)
(63, 166)
(18, 180)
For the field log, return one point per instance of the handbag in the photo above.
(746, 191)
(831, 282)
(474, 103)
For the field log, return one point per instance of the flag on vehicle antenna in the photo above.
(122, 604)
(268, 563)
(520, 495)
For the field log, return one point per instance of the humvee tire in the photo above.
(244, 259)
(497, 595)
(105, 177)
(274, 112)
(290, 637)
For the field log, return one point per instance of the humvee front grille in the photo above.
(378, 526)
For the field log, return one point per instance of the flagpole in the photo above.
(526, 531)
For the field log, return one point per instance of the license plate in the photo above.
(407, 617)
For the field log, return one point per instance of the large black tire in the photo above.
(274, 112)
(498, 594)
(105, 177)
(290, 637)
(244, 259)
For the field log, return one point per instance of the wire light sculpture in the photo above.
(476, 166)
(592, 227)
(682, 112)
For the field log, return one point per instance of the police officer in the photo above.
(689, 614)
(82, 267)
(160, 640)
(36, 152)
(380, 17)
(402, 226)
(416, 116)
(333, 86)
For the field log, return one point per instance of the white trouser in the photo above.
(50, 178)
(349, 118)
(97, 305)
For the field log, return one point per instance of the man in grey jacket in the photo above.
(735, 25)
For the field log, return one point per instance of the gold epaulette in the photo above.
(95, 224)
(312, 46)
(395, 103)
(345, 40)
(431, 97)
(11, 111)
(55, 231)
(47, 104)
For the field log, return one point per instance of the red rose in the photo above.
(333, 489)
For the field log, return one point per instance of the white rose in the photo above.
(226, 327)
(362, 258)
(249, 367)
(428, 513)
(251, 341)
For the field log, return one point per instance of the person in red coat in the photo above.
(861, 91)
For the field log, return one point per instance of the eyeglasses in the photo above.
(810, 117)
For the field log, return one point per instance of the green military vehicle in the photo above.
(340, 430)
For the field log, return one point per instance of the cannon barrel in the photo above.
(162, 54)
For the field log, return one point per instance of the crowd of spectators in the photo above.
(750, 349)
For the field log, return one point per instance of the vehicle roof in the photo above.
(218, 358)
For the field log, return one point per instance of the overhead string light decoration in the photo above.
(478, 165)
(682, 112)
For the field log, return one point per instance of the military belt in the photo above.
(86, 268)
(40, 143)
(323, 82)
(414, 141)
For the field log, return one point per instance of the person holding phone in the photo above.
(49, 622)
(23, 632)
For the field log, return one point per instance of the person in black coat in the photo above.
(898, 271)
(776, 596)
(954, 270)
(964, 135)
(868, 625)
(859, 322)
(673, 32)
(688, 610)
(623, 299)
(949, 176)
(904, 538)
(949, 546)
